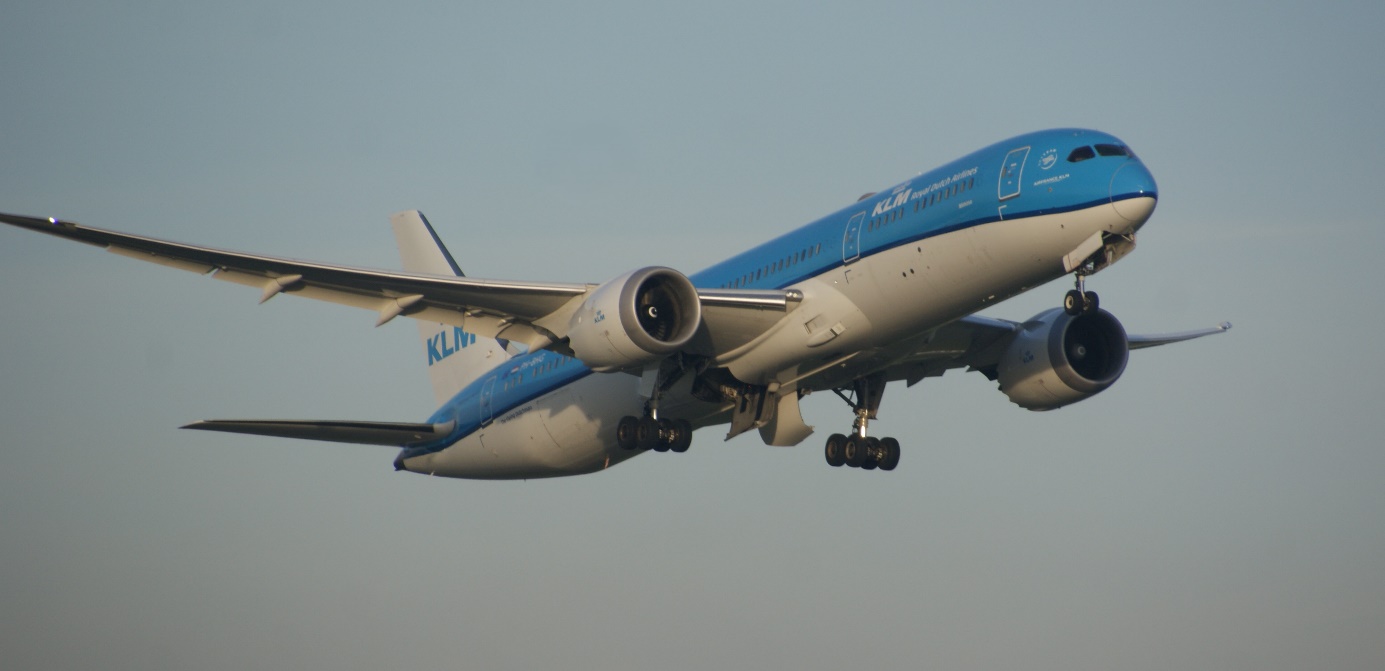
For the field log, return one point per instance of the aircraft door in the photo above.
(1011, 172)
(485, 413)
(851, 240)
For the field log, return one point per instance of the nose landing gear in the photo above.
(1079, 301)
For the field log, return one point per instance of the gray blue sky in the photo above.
(1220, 507)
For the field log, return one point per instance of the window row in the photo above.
(552, 364)
(924, 203)
(782, 264)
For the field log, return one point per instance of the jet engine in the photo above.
(1057, 359)
(634, 319)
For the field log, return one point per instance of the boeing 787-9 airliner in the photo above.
(540, 379)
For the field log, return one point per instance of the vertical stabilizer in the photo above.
(455, 357)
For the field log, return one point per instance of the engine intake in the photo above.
(636, 318)
(1058, 359)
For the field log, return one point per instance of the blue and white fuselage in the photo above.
(904, 261)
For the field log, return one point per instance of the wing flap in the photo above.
(141, 255)
(367, 433)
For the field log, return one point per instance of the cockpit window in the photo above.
(1112, 150)
(1081, 154)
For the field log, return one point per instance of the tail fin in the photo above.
(455, 357)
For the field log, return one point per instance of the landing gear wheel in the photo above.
(833, 451)
(665, 435)
(681, 436)
(627, 432)
(854, 451)
(1091, 303)
(890, 457)
(871, 460)
(1073, 303)
(647, 434)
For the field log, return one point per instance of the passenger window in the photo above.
(1081, 154)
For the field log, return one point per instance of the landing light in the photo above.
(53, 220)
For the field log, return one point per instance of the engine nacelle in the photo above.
(1059, 359)
(635, 319)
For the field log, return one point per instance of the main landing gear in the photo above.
(660, 435)
(859, 450)
(648, 432)
(1079, 301)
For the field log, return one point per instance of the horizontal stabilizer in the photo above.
(368, 433)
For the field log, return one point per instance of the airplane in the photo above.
(540, 379)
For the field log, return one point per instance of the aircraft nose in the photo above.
(1133, 192)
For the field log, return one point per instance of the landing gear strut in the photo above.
(1079, 301)
(859, 450)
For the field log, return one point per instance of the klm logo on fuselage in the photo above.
(891, 203)
(444, 344)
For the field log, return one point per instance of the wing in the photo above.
(972, 342)
(1143, 341)
(532, 313)
(485, 307)
(977, 343)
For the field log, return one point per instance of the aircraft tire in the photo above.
(647, 434)
(833, 450)
(666, 435)
(853, 450)
(872, 448)
(890, 459)
(682, 436)
(1074, 303)
(627, 433)
(1090, 302)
